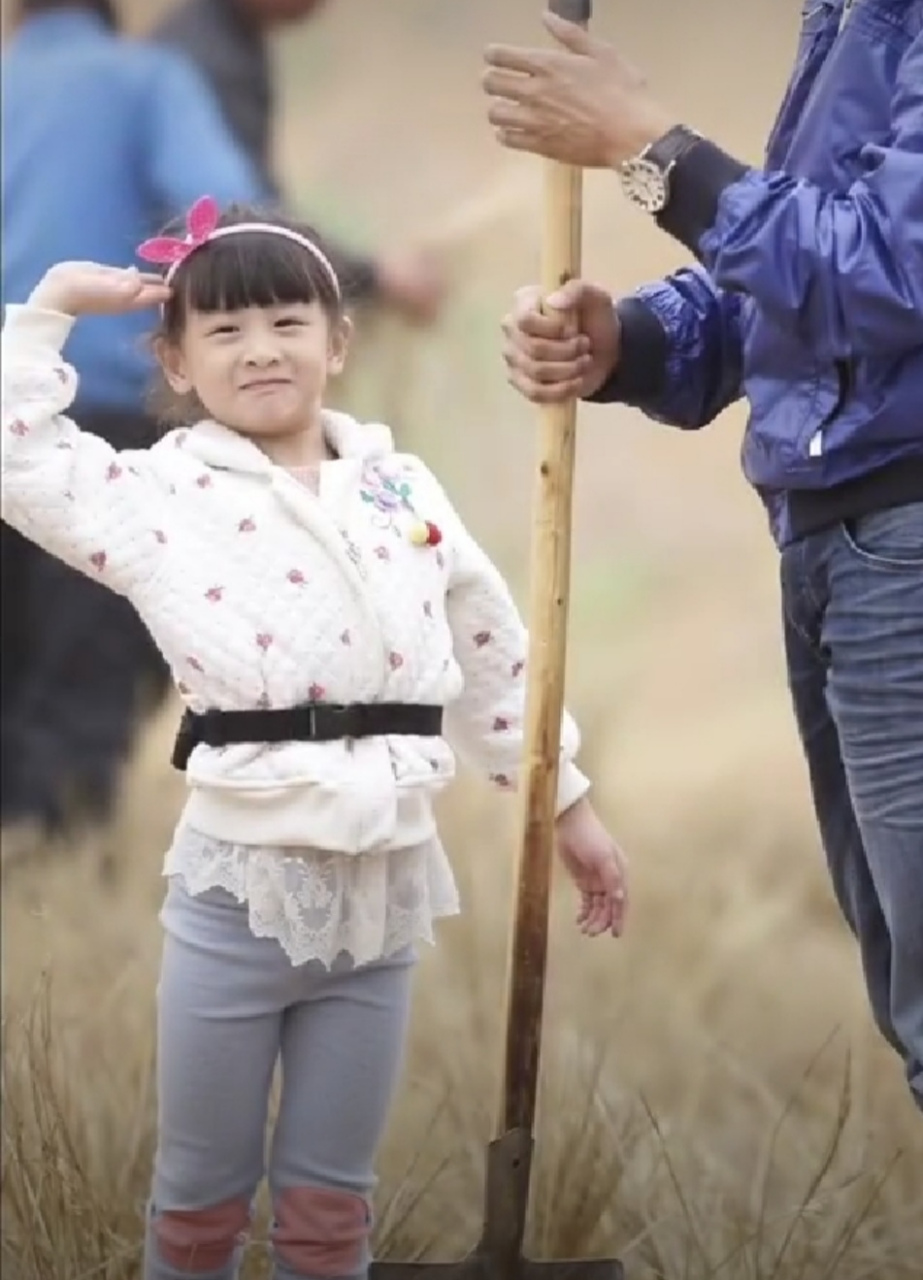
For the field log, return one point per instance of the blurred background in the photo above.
(715, 1101)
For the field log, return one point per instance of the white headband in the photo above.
(269, 229)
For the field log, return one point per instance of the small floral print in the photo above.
(501, 780)
(345, 638)
(215, 594)
(296, 577)
(518, 667)
(60, 373)
(64, 444)
(113, 471)
(196, 665)
(160, 536)
(501, 724)
(316, 692)
(69, 496)
(247, 525)
(264, 640)
(428, 608)
(180, 439)
(395, 660)
(434, 765)
(440, 559)
(18, 427)
(264, 702)
(482, 638)
(98, 560)
(182, 688)
(383, 553)
(204, 481)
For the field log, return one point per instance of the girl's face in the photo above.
(261, 371)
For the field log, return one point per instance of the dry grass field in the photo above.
(714, 1102)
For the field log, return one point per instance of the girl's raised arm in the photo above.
(66, 490)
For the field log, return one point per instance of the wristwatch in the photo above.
(646, 177)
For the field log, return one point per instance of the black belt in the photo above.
(312, 722)
(896, 485)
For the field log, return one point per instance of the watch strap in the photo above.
(667, 149)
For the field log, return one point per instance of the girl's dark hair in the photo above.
(251, 269)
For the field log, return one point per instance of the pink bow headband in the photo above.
(202, 227)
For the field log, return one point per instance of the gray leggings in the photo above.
(229, 1006)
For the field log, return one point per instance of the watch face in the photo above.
(645, 185)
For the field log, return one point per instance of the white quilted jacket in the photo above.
(261, 593)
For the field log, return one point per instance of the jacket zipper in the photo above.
(844, 373)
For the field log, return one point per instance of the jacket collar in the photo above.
(218, 446)
(61, 26)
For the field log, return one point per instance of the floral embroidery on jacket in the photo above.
(387, 494)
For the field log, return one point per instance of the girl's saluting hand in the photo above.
(87, 288)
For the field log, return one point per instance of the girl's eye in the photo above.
(288, 322)
(222, 329)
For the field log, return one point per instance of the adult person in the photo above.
(228, 41)
(96, 153)
(807, 299)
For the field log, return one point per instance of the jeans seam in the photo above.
(805, 588)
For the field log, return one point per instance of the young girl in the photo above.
(327, 618)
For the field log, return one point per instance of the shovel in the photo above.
(498, 1255)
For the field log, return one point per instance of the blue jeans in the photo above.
(853, 605)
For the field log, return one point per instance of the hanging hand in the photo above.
(414, 283)
(597, 867)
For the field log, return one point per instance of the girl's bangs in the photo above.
(249, 270)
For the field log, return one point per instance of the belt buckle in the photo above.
(335, 712)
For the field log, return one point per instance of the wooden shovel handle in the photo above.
(550, 589)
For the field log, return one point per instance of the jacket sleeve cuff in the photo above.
(641, 373)
(572, 786)
(698, 181)
(35, 327)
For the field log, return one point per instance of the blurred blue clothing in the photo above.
(104, 139)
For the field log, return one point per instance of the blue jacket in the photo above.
(103, 139)
(808, 296)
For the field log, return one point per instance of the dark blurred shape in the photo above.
(227, 41)
(96, 154)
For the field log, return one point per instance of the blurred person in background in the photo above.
(228, 41)
(807, 299)
(103, 138)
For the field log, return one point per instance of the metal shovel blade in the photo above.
(499, 1255)
(477, 1266)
